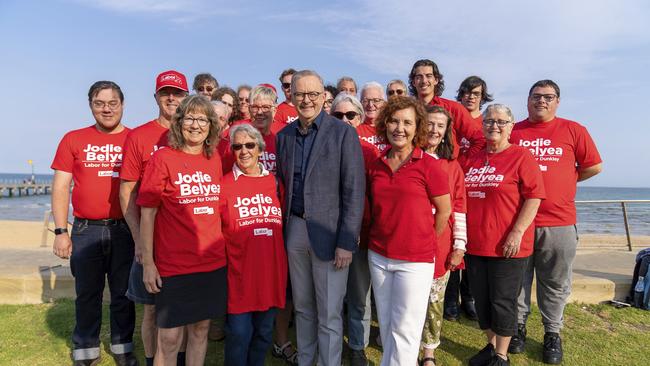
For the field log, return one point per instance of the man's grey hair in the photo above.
(345, 97)
(251, 131)
(301, 74)
(375, 85)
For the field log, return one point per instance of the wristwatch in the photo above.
(60, 230)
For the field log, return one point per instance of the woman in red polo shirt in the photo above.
(451, 244)
(257, 262)
(504, 189)
(184, 255)
(404, 183)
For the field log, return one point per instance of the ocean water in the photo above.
(592, 218)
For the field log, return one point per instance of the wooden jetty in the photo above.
(24, 189)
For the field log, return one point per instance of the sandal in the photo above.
(280, 352)
(427, 359)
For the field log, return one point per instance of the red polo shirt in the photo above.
(497, 185)
(186, 189)
(464, 126)
(94, 158)
(561, 147)
(402, 226)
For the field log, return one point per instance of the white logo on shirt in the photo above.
(268, 159)
(541, 148)
(206, 210)
(476, 194)
(483, 177)
(263, 232)
(258, 205)
(106, 153)
(197, 184)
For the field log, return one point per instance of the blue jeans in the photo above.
(100, 252)
(248, 337)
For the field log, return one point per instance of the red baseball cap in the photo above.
(172, 79)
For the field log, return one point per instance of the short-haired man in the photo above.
(100, 245)
(372, 100)
(286, 111)
(205, 84)
(347, 84)
(427, 84)
(321, 170)
(566, 155)
(171, 89)
(396, 87)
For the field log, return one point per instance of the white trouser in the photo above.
(401, 291)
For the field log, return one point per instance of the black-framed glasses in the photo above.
(286, 85)
(396, 91)
(189, 121)
(547, 97)
(375, 101)
(263, 108)
(248, 146)
(311, 95)
(100, 104)
(498, 122)
(349, 115)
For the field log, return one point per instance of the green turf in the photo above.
(36, 335)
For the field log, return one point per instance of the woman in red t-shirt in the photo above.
(451, 244)
(257, 262)
(504, 189)
(404, 183)
(180, 228)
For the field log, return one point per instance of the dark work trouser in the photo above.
(458, 282)
(100, 252)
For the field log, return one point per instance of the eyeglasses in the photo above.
(547, 97)
(329, 101)
(472, 94)
(396, 91)
(248, 145)
(498, 122)
(349, 115)
(375, 101)
(189, 121)
(312, 95)
(113, 104)
(286, 85)
(208, 89)
(263, 108)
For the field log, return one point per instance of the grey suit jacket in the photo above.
(334, 185)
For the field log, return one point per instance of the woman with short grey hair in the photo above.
(347, 108)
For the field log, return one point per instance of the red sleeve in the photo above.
(437, 179)
(132, 161)
(586, 152)
(280, 116)
(64, 158)
(458, 183)
(465, 128)
(531, 184)
(153, 182)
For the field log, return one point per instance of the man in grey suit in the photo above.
(321, 170)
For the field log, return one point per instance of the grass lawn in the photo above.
(39, 335)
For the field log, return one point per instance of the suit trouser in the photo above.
(358, 299)
(401, 291)
(318, 291)
(99, 252)
(552, 264)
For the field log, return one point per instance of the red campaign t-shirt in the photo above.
(285, 113)
(458, 204)
(368, 133)
(94, 158)
(268, 157)
(463, 125)
(186, 190)
(558, 146)
(140, 144)
(402, 226)
(497, 185)
(252, 225)
(465, 144)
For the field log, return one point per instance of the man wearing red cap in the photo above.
(99, 246)
(171, 89)
(286, 112)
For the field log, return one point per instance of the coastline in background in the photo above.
(592, 218)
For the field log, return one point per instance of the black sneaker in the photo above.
(498, 361)
(126, 359)
(552, 349)
(483, 357)
(470, 310)
(451, 312)
(358, 358)
(518, 341)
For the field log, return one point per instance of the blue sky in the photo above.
(597, 51)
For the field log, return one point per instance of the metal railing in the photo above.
(624, 209)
